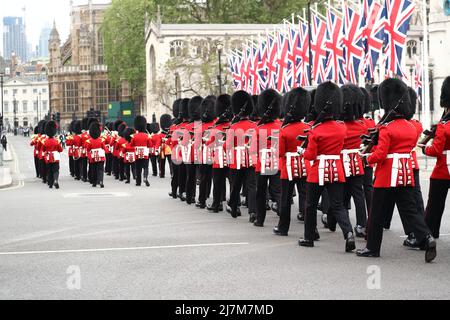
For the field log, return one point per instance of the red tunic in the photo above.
(440, 149)
(325, 143)
(206, 150)
(353, 165)
(84, 137)
(216, 143)
(292, 165)
(96, 150)
(393, 154)
(419, 129)
(142, 142)
(52, 149)
(177, 149)
(129, 153)
(239, 147)
(35, 143)
(268, 149)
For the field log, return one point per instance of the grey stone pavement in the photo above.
(125, 242)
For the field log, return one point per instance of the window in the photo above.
(5, 92)
(70, 96)
(44, 106)
(35, 105)
(101, 94)
(15, 91)
(34, 90)
(44, 90)
(412, 48)
(24, 91)
(176, 48)
(25, 122)
(25, 106)
(6, 106)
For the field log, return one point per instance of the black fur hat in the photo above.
(223, 104)
(36, 130)
(50, 129)
(165, 121)
(374, 100)
(85, 124)
(328, 94)
(413, 105)
(269, 98)
(121, 128)
(208, 109)
(445, 93)
(140, 123)
(110, 126)
(195, 109)
(242, 101)
(367, 107)
(297, 102)
(154, 127)
(127, 133)
(41, 126)
(72, 126)
(394, 93)
(176, 108)
(349, 102)
(184, 109)
(91, 121)
(117, 123)
(94, 130)
(77, 127)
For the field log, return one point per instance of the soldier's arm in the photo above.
(437, 147)
(381, 152)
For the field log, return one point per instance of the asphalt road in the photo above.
(125, 242)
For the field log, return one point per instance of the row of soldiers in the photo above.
(322, 143)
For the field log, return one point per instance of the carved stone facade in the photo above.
(78, 78)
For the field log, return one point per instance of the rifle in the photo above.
(266, 117)
(431, 134)
(323, 115)
(239, 116)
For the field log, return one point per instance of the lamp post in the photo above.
(16, 123)
(1, 87)
(219, 77)
(39, 103)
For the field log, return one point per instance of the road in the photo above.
(125, 242)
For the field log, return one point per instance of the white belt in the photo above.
(142, 151)
(346, 159)
(447, 155)
(100, 153)
(322, 158)
(289, 157)
(238, 157)
(220, 154)
(56, 155)
(264, 155)
(395, 165)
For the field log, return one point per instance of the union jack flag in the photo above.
(294, 55)
(418, 79)
(303, 78)
(352, 44)
(373, 35)
(234, 62)
(398, 16)
(271, 62)
(335, 53)
(261, 67)
(284, 81)
(318, 48)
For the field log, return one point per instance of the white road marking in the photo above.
(108, 194)
(441, 235)
(186, 246)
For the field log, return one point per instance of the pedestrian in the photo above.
(4, 142)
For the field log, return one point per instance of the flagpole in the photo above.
(426, 86)
(309, 44)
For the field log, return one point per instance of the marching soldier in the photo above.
(239, 146)
(216, 142)
(142, 143)
(96, 151)
(35, 144)
(153, 129)
(164, 149)
(394, 178)
(180, 150)
(129, 154)
(292, 165)
(107, 135)
(440, 178)
(172, 143)
(208, 118)
(84, 161)
(324, 145)
(267, 144)
(52, 149)
(40, 143)
(118, 125)
(69, 144)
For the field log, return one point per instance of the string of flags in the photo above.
(346, 46)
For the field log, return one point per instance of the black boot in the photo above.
(350, 243)
(212, 208)
(306, 243)
(200, 205)
(147, 184)
(301, 217)
(366, 253)
(430, 249)
(279, 232)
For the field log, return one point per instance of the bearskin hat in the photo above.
(374, 100)
(77, 127)
(207, 108)
(41, 126)
(349, 102)
(154, 127)
(36, 130)
(140, 123)
(195, 109)
(393, 93)
(241, 103)
(94, 130)
(127, 133)
(85, 124)
(297, 102)
(367, 108)
(91, 121)
(72, 126)
(223, 103)
(269, 104)
(165, 121)
(176, 108)
(445, 93)
(413, 105)
(50, 129)
(184, 108)
(117, 124)
(110, 126)
(328, 95)
(121, 128)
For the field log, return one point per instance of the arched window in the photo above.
(176, 48)
(412, 48)
(153, 68)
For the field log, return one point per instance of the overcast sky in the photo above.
(39, 13)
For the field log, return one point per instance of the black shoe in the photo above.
(56, 185)
(306, 243)
(258, 224)
(94, 185)
(172, 195)
(366, 253)
(220, 207)
(108, 174)
(360, 232)
(301, 217)
(238, 212)
(350, 243)
(233, 214)
(128, 182)
(278, 232)
(212, 208)
(325, 220)
(411, 242)
(316, 235)
(275, 208)
(84, 180)
(78, 179)
(252, 218)
(430, 249)
(50, 186)
(147, 184)
(183, 197)
(200, 205)
(102, 186)
(332, 225)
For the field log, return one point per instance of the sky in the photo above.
(40, 13)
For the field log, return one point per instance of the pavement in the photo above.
(124, 242)
(5, 171)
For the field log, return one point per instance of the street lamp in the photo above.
(16, 123)
(219, 77)
(39, 103)
(3, 115)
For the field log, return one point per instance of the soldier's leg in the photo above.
(436, 205)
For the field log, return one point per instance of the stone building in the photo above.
(183, 59)
(77, 75)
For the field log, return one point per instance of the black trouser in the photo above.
(182, 175)
(368, 186)
(419, 206)
(52, 173)
(287, 191)
(141, 166)
(436, 204)
(220, 186)
(383, 202)
(121, 169)
(205, 182)
(175, 177)
(108, 165)
(154, 161)
(191, 182)
(237, 178)
(169, 160)
(71, 166)
(116, 167)
(36, 167)
(354, 188)
(77, 165)
(84, 168)
(97, 169)
(162, 167)
(336, 195)
(261, 194)
(128, 171)
(43, 170)
(91, 173)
